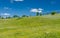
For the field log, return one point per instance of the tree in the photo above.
(2, 17)
(40, 14)
(24, 16)
(53, 13)
(15, 16)
(37, 14)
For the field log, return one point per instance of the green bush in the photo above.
(15, 16)
(24, 16)
(53, 13)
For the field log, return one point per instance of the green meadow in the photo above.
(46, 26)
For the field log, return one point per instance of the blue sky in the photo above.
(23, 7)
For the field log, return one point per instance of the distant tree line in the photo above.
(40, 14)
(16, 16)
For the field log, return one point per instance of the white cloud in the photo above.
(12, 1)
(36, 10)
(40, 9)
(5, 14)
(18, 0)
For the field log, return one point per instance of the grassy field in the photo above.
(47, 26)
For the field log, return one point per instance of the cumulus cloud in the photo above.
(40, 10)
(5, 14)
(36, 10)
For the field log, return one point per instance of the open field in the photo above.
(47, 26)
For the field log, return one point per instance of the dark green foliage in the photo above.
(24, 16)
(40, 14)
(53, 13)
(37, 14)
(15, 16)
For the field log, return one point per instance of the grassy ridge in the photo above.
(31, 27)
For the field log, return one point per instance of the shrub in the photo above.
(53, 13)
(24, 16)
(15, 16)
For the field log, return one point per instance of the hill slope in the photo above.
(31, 27)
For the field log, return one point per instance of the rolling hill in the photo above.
(47, 26)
